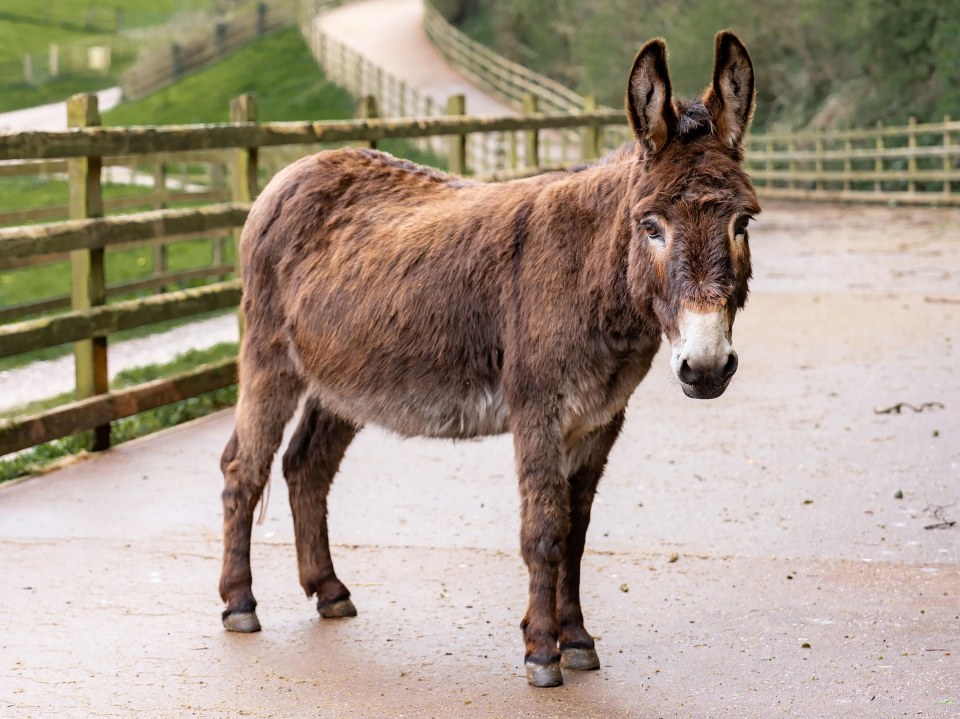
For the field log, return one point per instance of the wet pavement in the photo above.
(766, 554)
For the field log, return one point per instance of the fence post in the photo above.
(847, 163)
(89, 286)
(878, 160)
(818, 163)
(591, 135)
(27, 69)
(118, 28)
(531, 137)
(911, 159)
(947, 141)
(367, 110)
(244, 175)
(160, 203)
(175, 59)
(220, 38)
(457, 152)
(54, 60)
(768, 165)
(793, 165)
(261, 18)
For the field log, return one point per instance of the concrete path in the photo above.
(390, 34)
(772, 553)
(52, 116)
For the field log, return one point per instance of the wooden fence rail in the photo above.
(913, 164)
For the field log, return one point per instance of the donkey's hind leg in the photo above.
(309, 465)
(577, 648)
(268, 398)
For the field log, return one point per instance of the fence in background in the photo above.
(161, 66)
(916, 163)
(486, 153)
(911, 164)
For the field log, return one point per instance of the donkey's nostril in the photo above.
(730, 368)
(687, 375)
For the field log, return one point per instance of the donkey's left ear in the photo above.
(730, 97)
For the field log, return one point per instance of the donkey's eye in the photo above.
(652, 231)
(740, 227)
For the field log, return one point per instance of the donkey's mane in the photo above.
(693, 119)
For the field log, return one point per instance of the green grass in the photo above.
(21, 193)
(30, 26)
(277, 69)
(34, 459)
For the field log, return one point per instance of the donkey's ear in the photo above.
(730, 96)
(649, 102)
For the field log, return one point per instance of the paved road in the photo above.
(52, 116)
(777, 500)
(390, 34)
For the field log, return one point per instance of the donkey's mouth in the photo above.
(704, 391)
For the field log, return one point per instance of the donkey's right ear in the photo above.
(649, 98)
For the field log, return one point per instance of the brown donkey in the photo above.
(391, 294)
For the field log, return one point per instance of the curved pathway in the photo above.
(390, 34)
(52, 116)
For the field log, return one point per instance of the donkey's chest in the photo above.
(592, 397)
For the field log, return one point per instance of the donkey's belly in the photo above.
(473, 411)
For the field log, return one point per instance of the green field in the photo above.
(30, 26)
(278, 69)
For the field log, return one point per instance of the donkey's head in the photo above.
(689, 205)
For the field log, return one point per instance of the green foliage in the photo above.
(818, 62)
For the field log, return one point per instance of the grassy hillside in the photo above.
(30, 26)
(818, 62)
(278, 69)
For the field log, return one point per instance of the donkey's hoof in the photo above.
(338, 609)
(579, 658)
(245, 622)
(544, 675)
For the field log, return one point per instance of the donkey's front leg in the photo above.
(588, 458)
(545, 520)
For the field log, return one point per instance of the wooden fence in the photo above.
(916, 163)
(487, 152)
(162, 66)
(89, 234)
(912, 164)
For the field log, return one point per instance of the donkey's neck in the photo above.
(596, 210)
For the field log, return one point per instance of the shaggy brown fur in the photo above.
(396, 295)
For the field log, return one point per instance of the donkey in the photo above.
(381, 292)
